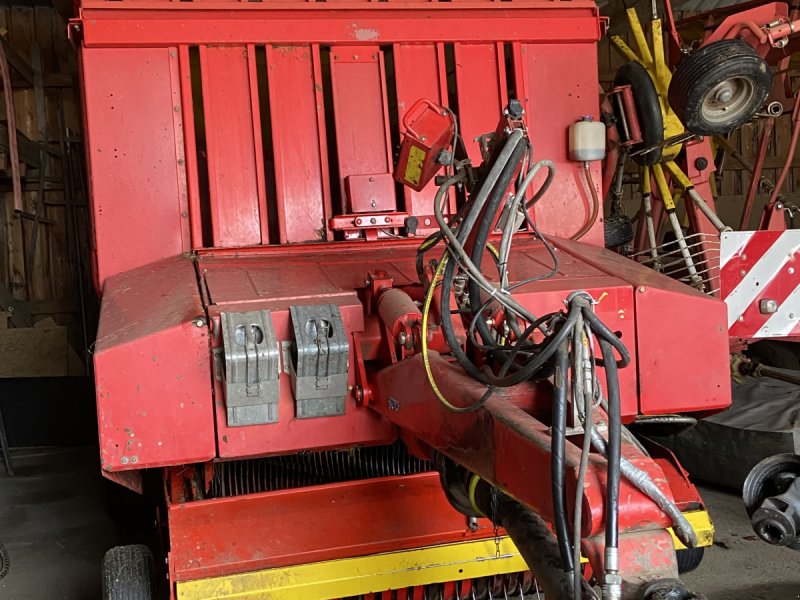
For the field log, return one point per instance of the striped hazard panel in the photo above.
(760, 282)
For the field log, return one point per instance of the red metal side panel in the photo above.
(135, 149)
(420, 72)
(152, 369)
(671, 360)
(481, 82)
(553, 102)
(238, 205)
(362, 123)
(232, 535)
(298, 140)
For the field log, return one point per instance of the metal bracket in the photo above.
(318, 365)
(252, 368)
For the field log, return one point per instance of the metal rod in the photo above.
(4, 447)
(704, 208)
(755, 179)
(697, 282)
(647, 202)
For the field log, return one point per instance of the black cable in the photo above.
(558, 443)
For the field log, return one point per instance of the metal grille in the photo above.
(313, 468)
(511, 586)
(704, 252)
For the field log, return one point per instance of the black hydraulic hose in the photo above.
(515, 140)
(558, 443)
(531, 536)
(527, 370)
(614, 442)
(496, 198)
(602, 331)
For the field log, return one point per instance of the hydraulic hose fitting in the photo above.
(584, 298)
(612, 582)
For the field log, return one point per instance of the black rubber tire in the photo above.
(700, 72)
(689, 559)
(129, 573)
(618, 230)
(776, 353)
(5, 561)
(648, 110)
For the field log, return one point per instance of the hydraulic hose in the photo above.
(614, 443)
(484, 229)
(642, 482)
(558, 463)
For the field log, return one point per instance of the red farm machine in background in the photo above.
(348, 382)
(671, 109)
(672, 113)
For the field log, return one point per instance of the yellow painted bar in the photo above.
(644, 180)
(380, 572)
(678, 176)
(661, 71)
(364, 574)
(663, 189)
(638, 37)
(623, 48)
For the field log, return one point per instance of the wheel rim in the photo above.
(728, 100)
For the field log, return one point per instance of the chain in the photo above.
(494, 524)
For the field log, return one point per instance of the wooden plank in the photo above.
(42, 351)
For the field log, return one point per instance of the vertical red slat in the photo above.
(261, 185)
(298, 142)
(136, 179)
(551, 109)
(482, 91)
(180, 162)
(362, 126)
(190, 145)
(420, 72)
(231, 146)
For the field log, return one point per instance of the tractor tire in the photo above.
(618, 231)
(5, 561)
(129, 573)
(719, 87)
(689, 559)
(648, 110)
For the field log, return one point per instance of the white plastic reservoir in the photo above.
(587, 140)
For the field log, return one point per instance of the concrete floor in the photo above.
(53, 521)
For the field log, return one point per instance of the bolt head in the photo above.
(767, 306)
(791, 270)
(199, 322)
(724, 94)
(124, 460)
(642, 289)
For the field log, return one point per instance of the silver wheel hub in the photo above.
(728, 100)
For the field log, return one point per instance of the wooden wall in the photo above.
(44, 269)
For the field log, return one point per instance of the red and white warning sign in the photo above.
(760, 282)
